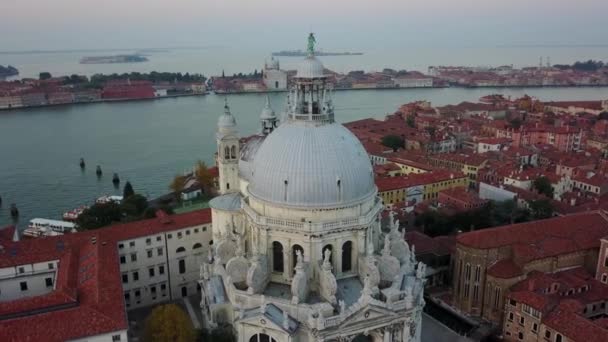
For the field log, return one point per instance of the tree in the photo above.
(44, 75)
(99, 215)
(204, 177)
(515, 123)
(393, 141)
(134, 206)
(410, 121)
(540, 209)
(178, 184)
(543, 186)
(128, 190)
(168, 323)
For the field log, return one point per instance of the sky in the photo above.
(349, 24)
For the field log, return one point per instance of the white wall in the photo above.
(33, 275)
(163, 247)
(120, 335)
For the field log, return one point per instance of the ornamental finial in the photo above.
(311, 44)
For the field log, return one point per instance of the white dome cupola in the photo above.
(310, 98)
(226, 121)
(268, 118)
(310, 161)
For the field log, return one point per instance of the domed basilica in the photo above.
(299, 253)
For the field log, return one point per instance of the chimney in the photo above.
(531, 285)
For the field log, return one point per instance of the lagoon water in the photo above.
(148, 142)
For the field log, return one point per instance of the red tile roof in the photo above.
(6, 234)
(504, 269)
(574, 326)
(543, 238)
(88, 297)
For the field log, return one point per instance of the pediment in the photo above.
(366, 313)
(261, 321)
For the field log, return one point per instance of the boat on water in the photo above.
(301, 53)
(113, 59)
(40, 227)
(73, 215)
(109, 199)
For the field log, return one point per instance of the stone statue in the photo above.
(239, 246)
(413, 255)
(327, 281)
(257, 274)
(326, 256)
(210, 256)
(285, 320)
(263, 305)
(387, 245)
(311, 44)
(299, 283)
(342, 307)
(421, 271)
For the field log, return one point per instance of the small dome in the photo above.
(310, 67)
(267, 112)
(226, 119)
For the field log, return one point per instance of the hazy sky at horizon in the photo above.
(340, 24)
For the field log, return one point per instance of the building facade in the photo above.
(298, 250)
(488, 262)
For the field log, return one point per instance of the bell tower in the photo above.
(227, 152)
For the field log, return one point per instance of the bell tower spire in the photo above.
(228, 153)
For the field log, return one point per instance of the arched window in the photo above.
(277, 257)
(197, 245)
(233, 152)
(261, 338)
(331, 256)
(182, 266)
(184, 291)
(226, 152)
(347, 256)
(180, 249)
(294, 256)
(558, 338)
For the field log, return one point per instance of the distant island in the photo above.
(8, 71)
(135, 58)
(300, 53)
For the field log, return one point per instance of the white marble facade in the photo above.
(298, 250)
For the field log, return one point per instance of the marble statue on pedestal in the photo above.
(328, 285)
(299, 284)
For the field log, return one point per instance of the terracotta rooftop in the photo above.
(543, 238)
(504, 269)
(87, 299)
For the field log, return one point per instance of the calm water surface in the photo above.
(148, 142)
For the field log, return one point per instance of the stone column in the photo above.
(406, 331)
(287, 263)
(387, 335)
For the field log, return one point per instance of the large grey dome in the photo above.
(302, 165)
